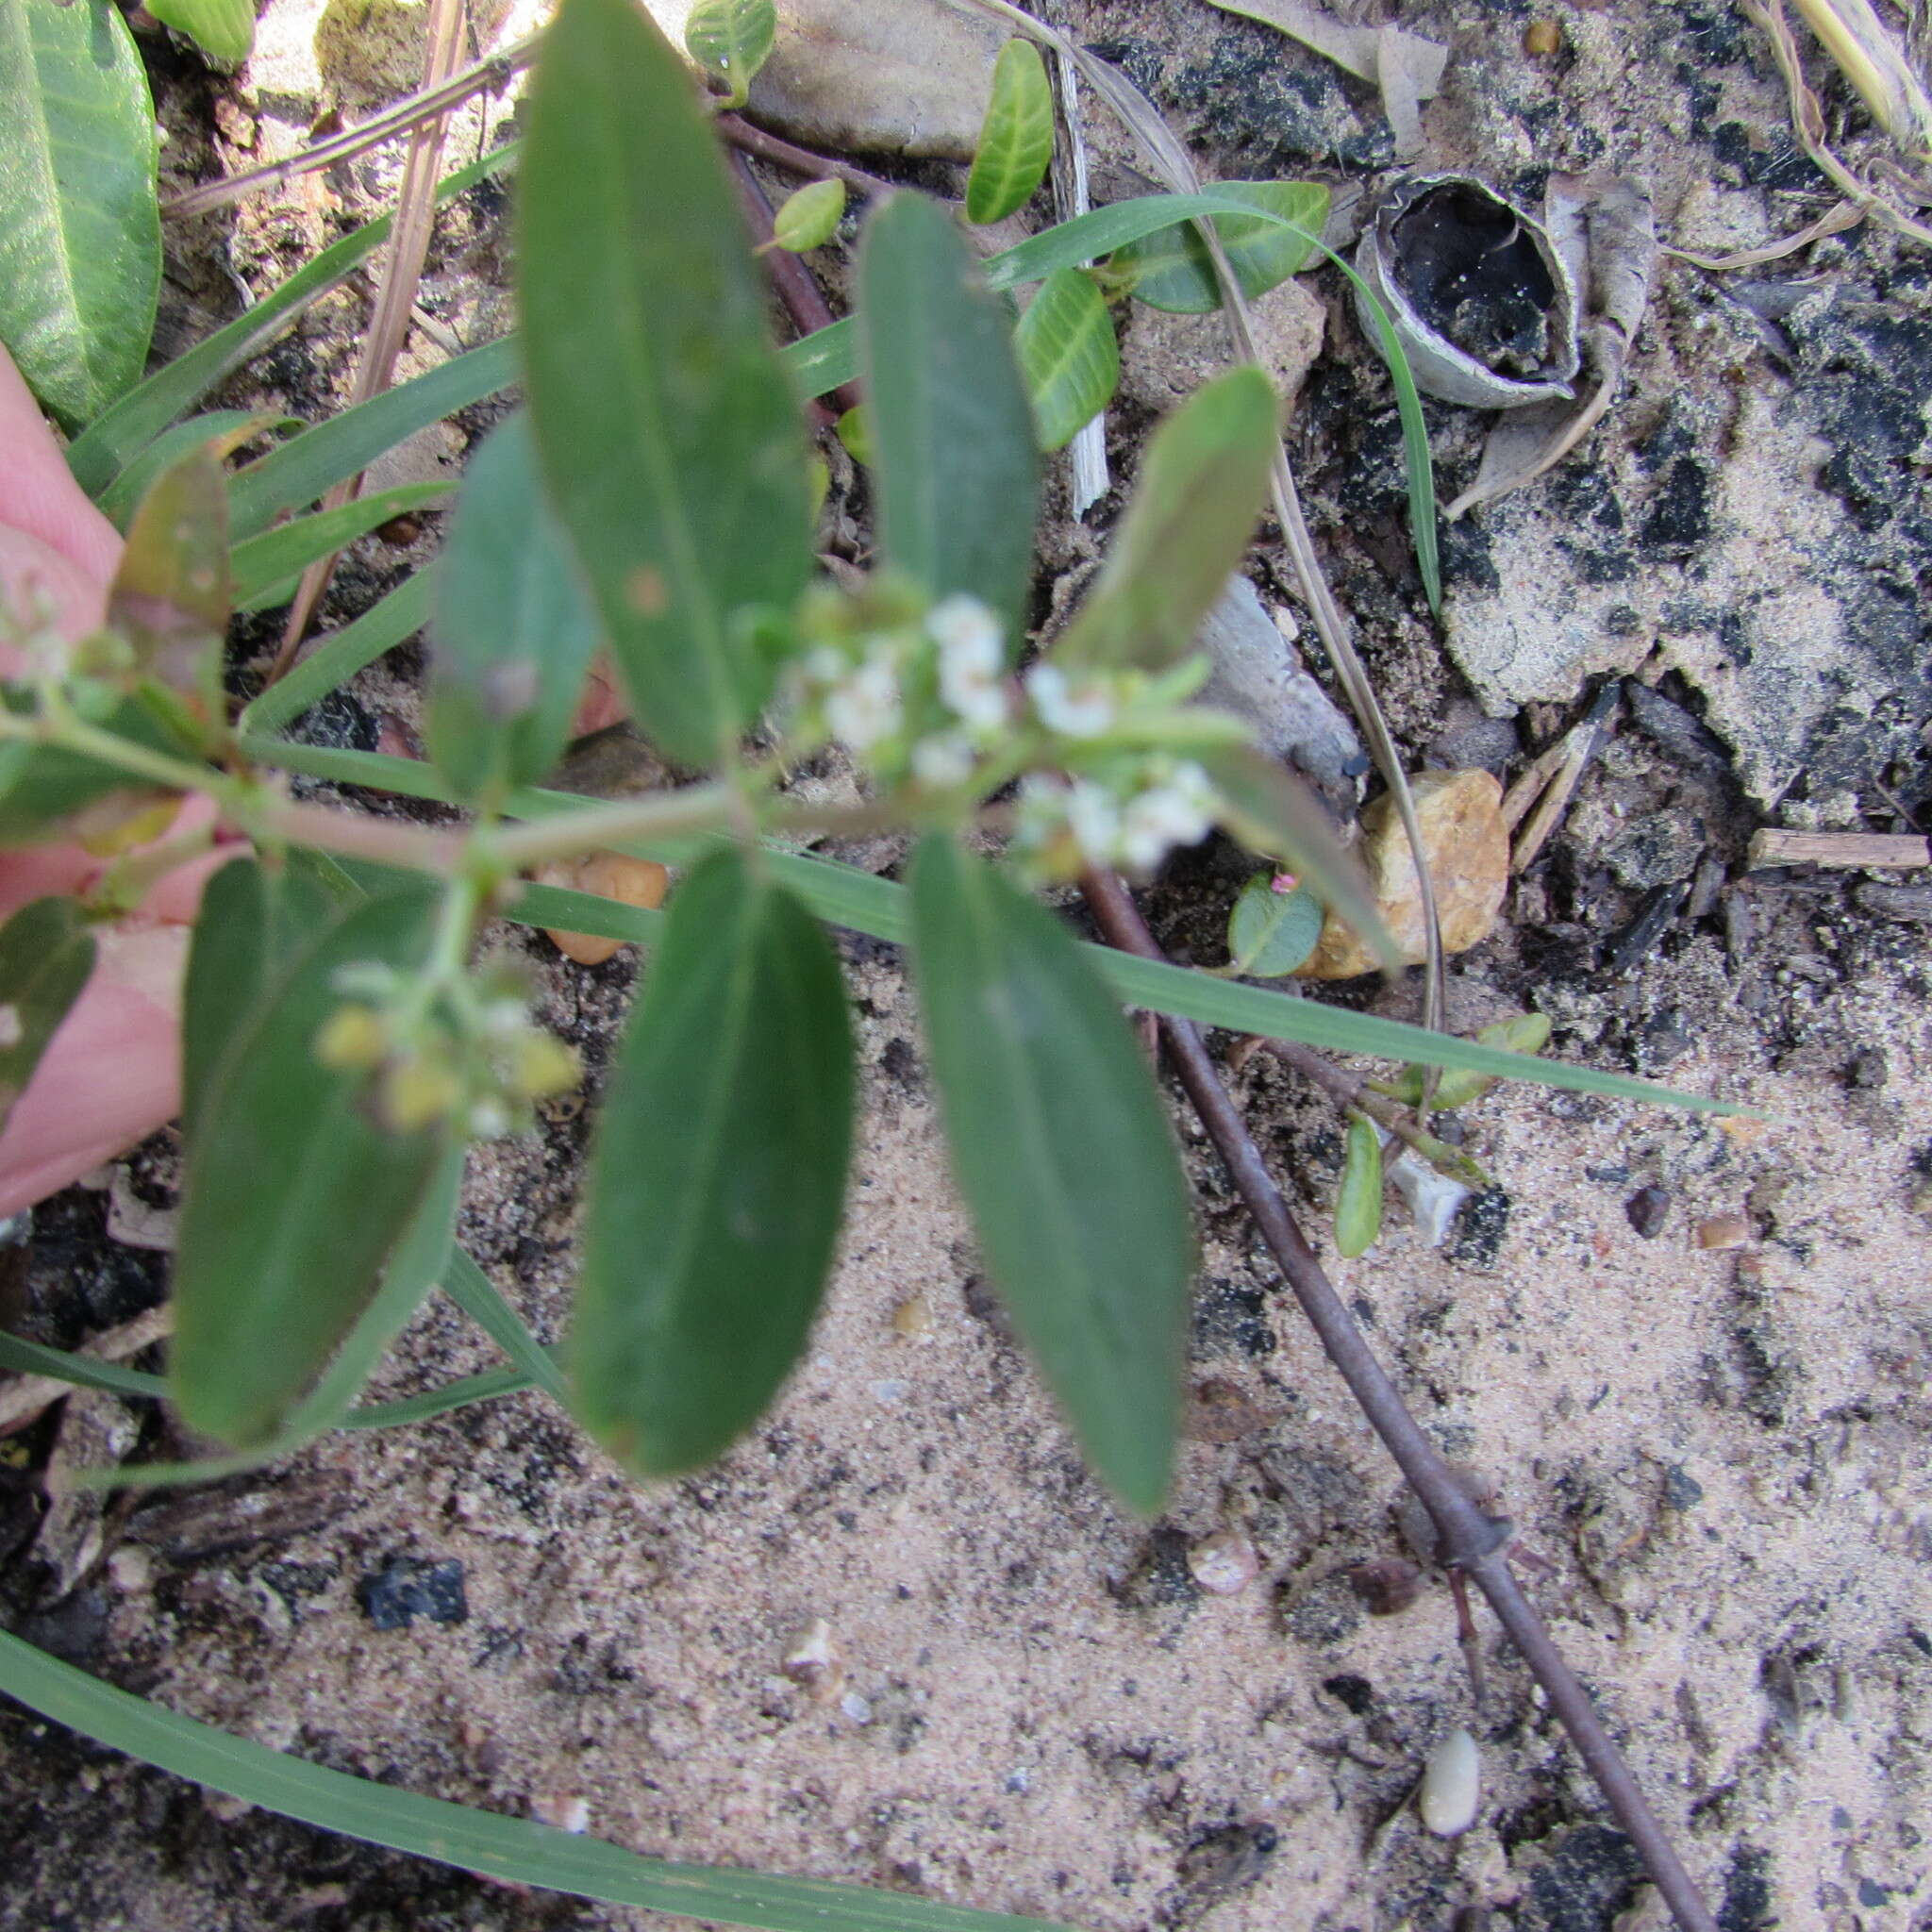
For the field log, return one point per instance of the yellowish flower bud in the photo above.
(417, 1093)
(352, 1037)
(545, 1066)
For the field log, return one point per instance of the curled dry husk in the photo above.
(1485, 307)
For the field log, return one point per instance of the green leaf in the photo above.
(99, 455)
(294, 1194)
(843, 896)
(1068, 354)
(510, 1850)
(1522, 1033)
(809, 216)
(732, 40)
(957, 476)
(300, 469)
(513, 632)
(222, 29)
(1270, 933)
(1195, 507)
(853, 431)
(1015, 140)
(268, 567)
(669, 436)
(222, 430)
(719, 1175)
(1173, 270)
(386, 623)
(1358, 1200)
(1061, 1148)
(46, 954)
(481, 1300)
(80, 231)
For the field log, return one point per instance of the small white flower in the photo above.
(1093, 817)
(943, 760)
(504, 1020)
(489, 1120)
(972, 661)
(1180, 812)
(826, 666)
(866, 708)
(1083, 710)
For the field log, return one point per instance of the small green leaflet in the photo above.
(222, 29)
(1194, 506)
(1016, 139)
(1069, 354)
(957, 475)
(1270, 933)
(1522, 1033)
(719, 1176)
(80, 229)
(670, 436)
(853, 430)
(296, 1195)
(1172, 270)
(1358, 1200)
(809, 216)
(731, 39)
(513, 632)
(1061, 1145)
(46, 954)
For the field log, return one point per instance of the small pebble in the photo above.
(1452, 1786)
(913, 1318)
(407, 1588)
(1723, 1231)
(565, 1812)
(132, 1569)
(856, 1707)
(1223, 1564)
(1386, 1586)
(1647, 1209)
(610, 875)
(1543, 36)
(809, 1656)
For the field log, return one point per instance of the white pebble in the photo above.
(1452, 1786)
(565, 1812)
(1225, 1562)
(856, 1707)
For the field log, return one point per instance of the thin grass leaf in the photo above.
(1015, 146)
(480, 1299)
(1069, 355)
(515, 1851)
(304, 467)
(80, 232)
(26, 1358)
(719, 1176)
(1061, 1145)
(732, 40)
(225, 429)
(268, 567)
(844, 896)
(97, 456)
(1359, 1199)
(957, 479)
(393, 618)
(557, 908)
(669, 438)
(1173, 270)
(46, 956)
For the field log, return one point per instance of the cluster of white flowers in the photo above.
(1133, 818)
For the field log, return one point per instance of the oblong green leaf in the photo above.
(1061, 1148)
(1069, 355)
(1270, 933)
(1194, 506)
(732, 40)
(514, 631)
(511, 1849)
(719, 1175)
(1172, 270)
(222, 429)
(46, 954)
(294, 1194)
(97, 456)
(809, 216)
(669, 434)
(222, 29)
(1358, 1200)
(80, 230)
(957, 475)
(1016, 138)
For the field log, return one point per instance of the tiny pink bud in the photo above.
(1284, 883)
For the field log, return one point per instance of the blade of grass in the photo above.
(263, 565)
(97, 456)
(385, 625)
(513, 1850)
(479, 1298)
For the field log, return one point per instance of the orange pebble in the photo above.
(609, 876)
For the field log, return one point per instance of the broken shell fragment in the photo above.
(1485, 307)
(1451, 1789)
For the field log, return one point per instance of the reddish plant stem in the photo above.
(740, 134)
(1469, 1540)
(805, 304)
